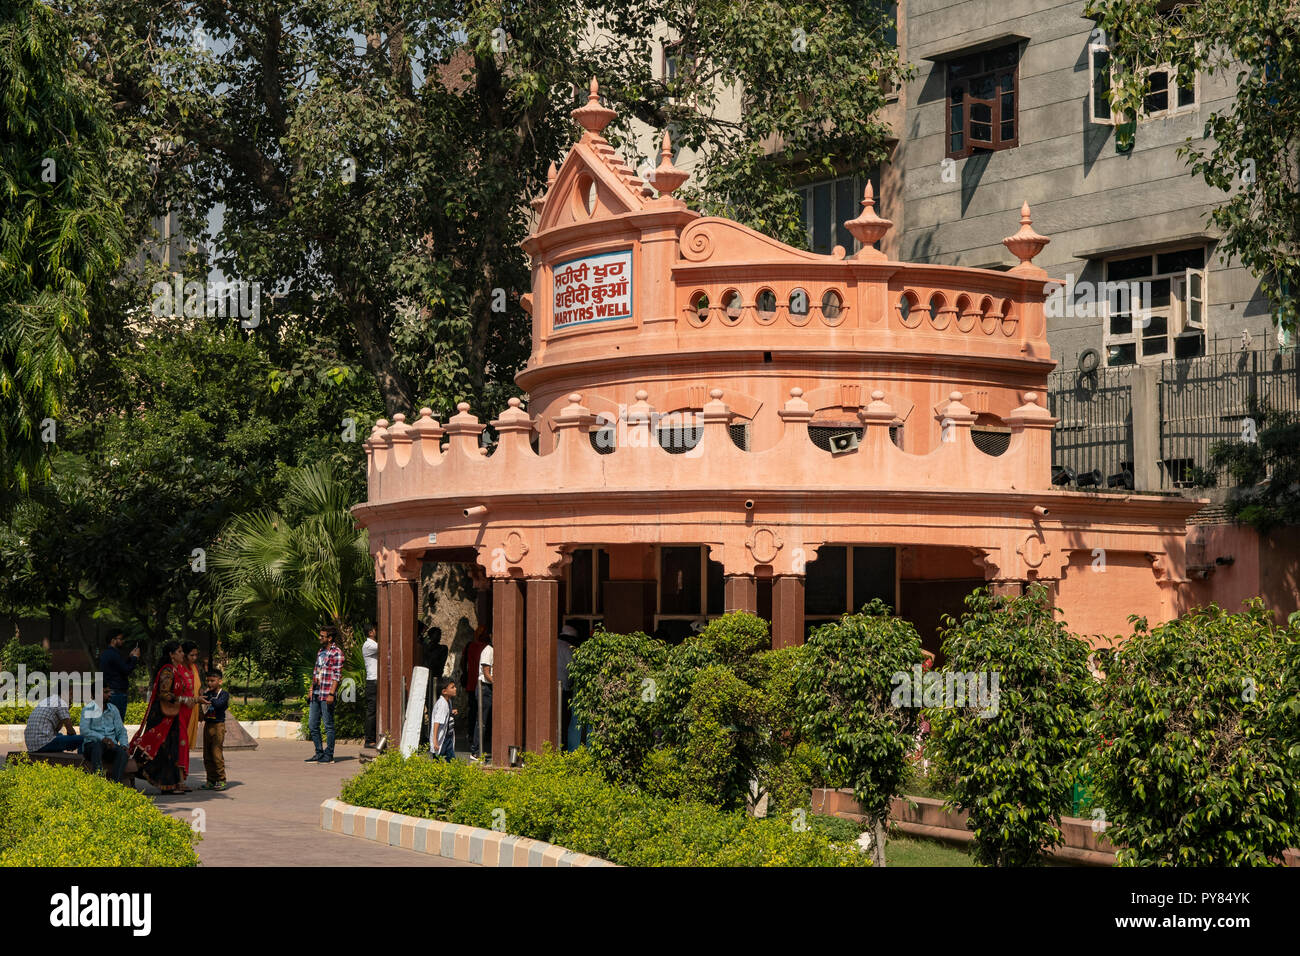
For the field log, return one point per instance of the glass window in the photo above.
(679, 581)
(1171, 307)
(982, 92)
(580, 582)
(873, 576)
(826, 583)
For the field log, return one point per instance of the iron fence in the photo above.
(1210, 398)
(1094, 431)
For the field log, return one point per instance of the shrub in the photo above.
(19, 713)
(60, 816)
(844, 705)
(1012, 770)
(564, 799)
(1200, 756)
(33, 656)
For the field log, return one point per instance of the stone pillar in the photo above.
(541, 717)
(397, 651)
(508, 668)
(740, 593)
(1007, 588)
(787, 610)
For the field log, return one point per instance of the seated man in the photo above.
(105, 735)
(47, 719)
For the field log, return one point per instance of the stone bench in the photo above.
(71, 758)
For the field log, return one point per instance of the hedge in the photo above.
(564, 799)
(60, 816)
(18, 714)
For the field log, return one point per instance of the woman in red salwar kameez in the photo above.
(161, 747)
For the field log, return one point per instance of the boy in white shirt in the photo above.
(442, 736)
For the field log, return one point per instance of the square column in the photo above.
(508, 669)
(787, 610)
(740, 593)
(541, 717)
(397, 652)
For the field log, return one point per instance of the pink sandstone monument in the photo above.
(718, 421)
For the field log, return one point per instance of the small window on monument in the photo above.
(766, 303)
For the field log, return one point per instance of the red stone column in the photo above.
(397, 652)
(787, 610)
(1007, 588)
(541, 718)
(740, 593)
(508, 668)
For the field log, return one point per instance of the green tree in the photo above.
(1251, 143)
(1200, 733)
(845, 684)
(1266, 471)
(61, 233)
(1013, 763)
(374, 159)
(290, 571)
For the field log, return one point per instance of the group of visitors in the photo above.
(161, 745)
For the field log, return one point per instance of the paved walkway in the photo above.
(270, 813)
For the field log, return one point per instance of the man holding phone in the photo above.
(116, 668)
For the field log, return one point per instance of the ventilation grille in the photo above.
(991, 441)
(739, 435)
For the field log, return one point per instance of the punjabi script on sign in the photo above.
(589, 290)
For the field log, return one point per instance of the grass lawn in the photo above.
(909, 851)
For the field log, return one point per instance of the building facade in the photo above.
(717, 421)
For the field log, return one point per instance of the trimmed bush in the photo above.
(1199, 762)
(33, 656)
(60, 816)
(1013, 763)
(19, 714)
(564, 799)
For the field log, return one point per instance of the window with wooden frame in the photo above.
(1170, 320)
(983, 101)
(844, 578)
(690, 585)
(584, 591)
(828, 204)
(1164, 95)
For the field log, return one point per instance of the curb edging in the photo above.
(452, 841)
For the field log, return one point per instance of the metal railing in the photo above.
(1211, 398)
(1095, 427)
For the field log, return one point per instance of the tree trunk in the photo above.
(877, 842)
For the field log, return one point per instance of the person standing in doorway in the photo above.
(473, 651)
(442, 733)
(370, 654)
(563, 658)
(325, 679)
(482, 745)
(116, 668)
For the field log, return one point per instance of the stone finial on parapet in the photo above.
(378, 434)
(1026, 244)
(668, 177)
(539, 203)
(878, 413)
(715, 416)
(640, 418)
(572, 425)
(796, 409)
(514, 430)
(592, 116)
(954, 415)
(869, 228)
(1029, 415)
(463, 431)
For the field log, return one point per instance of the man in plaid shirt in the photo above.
(325, 679)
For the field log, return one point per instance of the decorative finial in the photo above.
(715, 393)
(667, 176)
(539, 202)
(642, 394)
(954, 396)
(593, 117)
(461, 407)
(575, 398)
(869, 228)
(1026, 244)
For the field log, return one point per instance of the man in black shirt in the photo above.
(116, 668)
